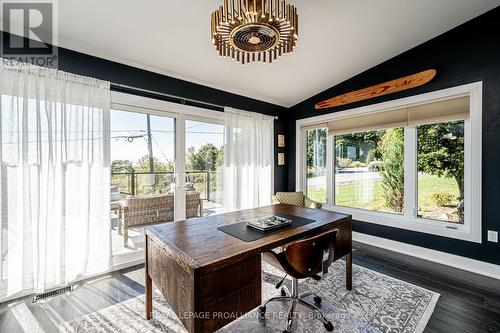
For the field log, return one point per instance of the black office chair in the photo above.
(302, 259)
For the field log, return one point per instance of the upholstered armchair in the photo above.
(295, 198)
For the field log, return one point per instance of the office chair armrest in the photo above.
(312, 204)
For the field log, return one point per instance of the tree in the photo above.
(142, 165)
(392, 148)
(441, 153)
(122, 166)
(366, 140)
(354, 138)
(316, 144)
(207, 158)
(316, 148)
(169, 166)
(220, 157)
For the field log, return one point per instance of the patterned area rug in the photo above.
(377, 303)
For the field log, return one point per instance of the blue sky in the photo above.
(128, 140)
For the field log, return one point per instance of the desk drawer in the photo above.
(229, 308)
(218, 284)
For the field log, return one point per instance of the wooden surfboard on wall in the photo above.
(404, 83)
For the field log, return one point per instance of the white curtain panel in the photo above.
(54, 178)
(248, 159)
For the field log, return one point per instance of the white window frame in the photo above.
(471, 230)
(180, 113)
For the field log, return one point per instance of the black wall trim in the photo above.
(466, 54)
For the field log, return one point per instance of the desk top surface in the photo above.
(199, 243)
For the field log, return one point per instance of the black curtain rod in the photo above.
(166, 97)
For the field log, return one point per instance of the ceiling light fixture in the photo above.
(254, 30)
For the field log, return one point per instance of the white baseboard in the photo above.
(463, 263)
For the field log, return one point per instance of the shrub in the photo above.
(344, 163)
(374, 155)
(357, 164)
(443, 199)
(375, 166)
(392, 147)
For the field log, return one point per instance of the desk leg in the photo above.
(148, 286)
(348, 271)
(149, 297)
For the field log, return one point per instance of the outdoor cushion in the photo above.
(291, 198)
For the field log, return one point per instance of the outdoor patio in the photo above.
(136, 235)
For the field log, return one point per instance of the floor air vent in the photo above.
(53, 293)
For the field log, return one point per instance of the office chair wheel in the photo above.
(262, 312)
(283, 292)
(329, 326)
(317, 299)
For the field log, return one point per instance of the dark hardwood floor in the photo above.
(468, 302)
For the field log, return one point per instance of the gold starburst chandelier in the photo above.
(254, 30)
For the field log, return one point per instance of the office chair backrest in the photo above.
(306, 255)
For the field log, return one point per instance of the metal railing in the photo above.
(140, 183)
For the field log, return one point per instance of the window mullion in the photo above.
(330, 170)
(303, 183)
(410, 164)
(180, 169)
(469, 176)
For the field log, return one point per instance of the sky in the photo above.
(129, 129)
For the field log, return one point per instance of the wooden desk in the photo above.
(210, 278)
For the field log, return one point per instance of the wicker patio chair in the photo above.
(145, 210)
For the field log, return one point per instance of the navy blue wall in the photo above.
(468, 53)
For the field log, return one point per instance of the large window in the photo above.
(441, 164)
(316, 164)
(369, 170)
(414, 166)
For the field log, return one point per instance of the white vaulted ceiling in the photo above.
(338, 39)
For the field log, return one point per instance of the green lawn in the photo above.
(317, 194)
(359, 196)
(428, 185)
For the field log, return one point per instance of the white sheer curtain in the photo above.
(54, 178)
(248, 159)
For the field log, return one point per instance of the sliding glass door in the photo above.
(165, 167)
(204, 168)
(142, 149)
